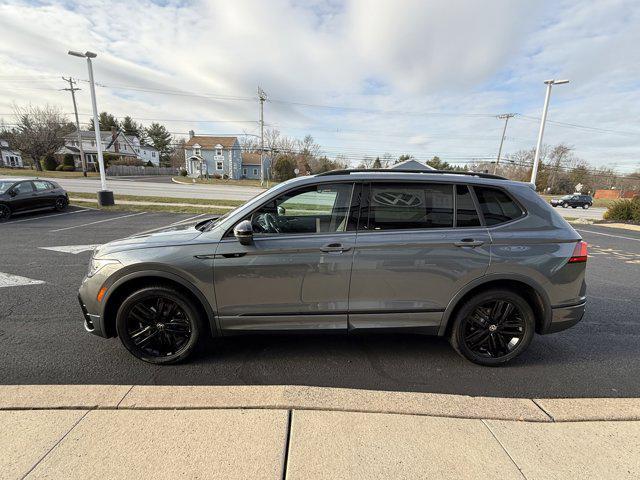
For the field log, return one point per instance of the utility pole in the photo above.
(262, 96)
(506, 117)
(73, 89)
(545, 108)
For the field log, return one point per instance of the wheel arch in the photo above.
(533, 293)
(136, 280)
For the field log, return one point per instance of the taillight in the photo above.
(579, 253)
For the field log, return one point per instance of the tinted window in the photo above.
(23, 187)
(466, 213)
(497, 207)
(409, 206)
(315, 209)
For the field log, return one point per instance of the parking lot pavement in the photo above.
(42, 339)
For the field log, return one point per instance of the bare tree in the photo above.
(39, 131)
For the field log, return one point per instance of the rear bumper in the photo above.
(565, 317)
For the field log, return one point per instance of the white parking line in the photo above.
(9, 280)
(74, 249)
(99, 221)
(85, 209)
(608, 235)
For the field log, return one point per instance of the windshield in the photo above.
(4, 186)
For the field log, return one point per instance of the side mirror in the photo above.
(281, 210)
(244, 232)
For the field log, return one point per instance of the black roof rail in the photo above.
(427, 172)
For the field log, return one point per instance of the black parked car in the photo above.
(22, 195)
(574, 201)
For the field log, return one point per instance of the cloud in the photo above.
(393, 66)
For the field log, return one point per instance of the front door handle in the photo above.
(468, 242)
(334, 248)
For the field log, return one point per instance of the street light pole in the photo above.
(105, 197)
(545, 108)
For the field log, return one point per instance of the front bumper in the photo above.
(91, 308)
(565, 317)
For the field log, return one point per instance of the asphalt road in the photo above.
(42, 339)
(160, 189)
(593, 213)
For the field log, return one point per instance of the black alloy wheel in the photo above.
(61, 203)
(158, 325)
(5, 212)
(493, 327)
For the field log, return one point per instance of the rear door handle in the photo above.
(468, 242)
(334, 248)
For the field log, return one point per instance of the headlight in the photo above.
(98, 264)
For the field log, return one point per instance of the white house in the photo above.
(114, 142)
(9, 157)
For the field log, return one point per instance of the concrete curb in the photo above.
(291, 397)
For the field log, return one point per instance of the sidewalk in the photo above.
(309, 433)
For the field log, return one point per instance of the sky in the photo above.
(363, 77)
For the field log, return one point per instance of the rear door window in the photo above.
(42, 185)
(496, 206)
(466, 213)
(395, 206)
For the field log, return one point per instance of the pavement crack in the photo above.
(287, 445)
(504, 448)
(542, 408)
(56, 444)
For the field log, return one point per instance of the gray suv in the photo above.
(477, 258)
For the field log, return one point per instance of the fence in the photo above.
(126, 170)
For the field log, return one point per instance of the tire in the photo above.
(574, 206)
(564, 205)
(146, 333)
(586, 206)
(475, 315)
(61, 204)
(5, 212)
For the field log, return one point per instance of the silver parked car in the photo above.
(480, 259)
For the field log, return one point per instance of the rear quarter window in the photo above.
(497, 206)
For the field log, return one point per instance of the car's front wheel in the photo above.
(493, 327)
(5, 212)
(159, 325)
(586, 206)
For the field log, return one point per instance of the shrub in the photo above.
(624, 211)
(49, 162)
(183, 173)
(59, 168)
(149, 163)
(68, 160)
(68, 168)
(217, 176)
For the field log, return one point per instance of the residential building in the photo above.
(251, 165)
(9, 157)
(213, 155)
(411, 164)
(114, 142)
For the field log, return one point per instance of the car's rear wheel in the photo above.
(493, 327)
(159, 325)
(5, 212)
(61, 203)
